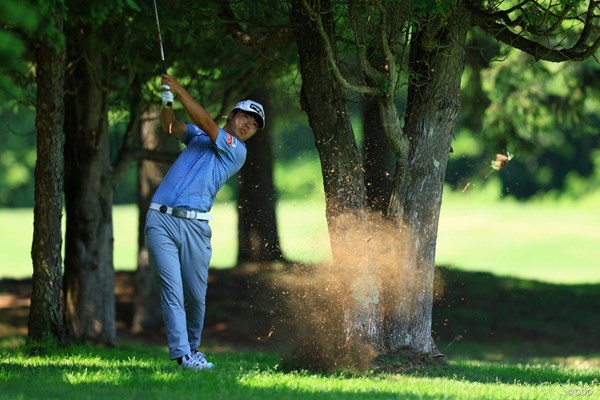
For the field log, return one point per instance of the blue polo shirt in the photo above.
(201, 169)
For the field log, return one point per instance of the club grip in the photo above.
(164, 71)
(167, 87)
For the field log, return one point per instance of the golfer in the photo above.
(177, 230)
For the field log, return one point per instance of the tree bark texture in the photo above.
(45, 313)
(321, 98)
(437, 58)
(352, 272)
(258, 237)
(378, 158)
(147, 316)
(89, 272)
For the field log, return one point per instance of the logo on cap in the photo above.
(253, 107)
(256, 109)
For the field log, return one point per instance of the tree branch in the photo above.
(361, 47)
(359, 89)
(262, 43)
(587, 28)
(501, 31)
(390, 59)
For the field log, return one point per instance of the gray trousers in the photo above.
(179, 251)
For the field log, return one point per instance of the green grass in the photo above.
(549, 241)
(132, 372)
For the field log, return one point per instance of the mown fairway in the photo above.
(548, 241)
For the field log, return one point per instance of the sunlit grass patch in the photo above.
(85, 372)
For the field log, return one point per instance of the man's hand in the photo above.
(195, 111)
(166, 96)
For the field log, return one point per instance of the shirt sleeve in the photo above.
(231, 150)
(191, 131)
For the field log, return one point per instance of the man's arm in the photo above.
(171, 124)
(196, 112)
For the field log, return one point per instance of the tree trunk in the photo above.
(347, 291)
(384, 268)
(321, 99)
(89, 272)
(378, 158)
(258, 236)
(45, 314)
(147, 315)
(433, 105)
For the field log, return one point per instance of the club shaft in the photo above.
(162, 51)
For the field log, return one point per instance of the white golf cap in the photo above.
(254, 108)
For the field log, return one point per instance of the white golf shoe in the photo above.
(196, 361)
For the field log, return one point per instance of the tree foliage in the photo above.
(18, 22)
(543, 113)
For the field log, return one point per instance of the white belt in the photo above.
(181, 212)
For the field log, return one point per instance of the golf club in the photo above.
(162, 51)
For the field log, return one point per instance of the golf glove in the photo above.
(167, 97)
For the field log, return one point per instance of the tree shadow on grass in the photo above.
(508, 373)
(515, 318)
